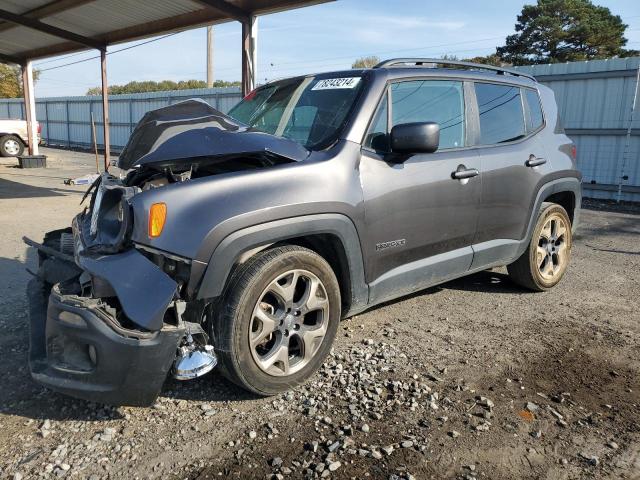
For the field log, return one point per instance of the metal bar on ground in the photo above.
(95, 142)
(105, 107)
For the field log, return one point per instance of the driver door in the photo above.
(420, 220)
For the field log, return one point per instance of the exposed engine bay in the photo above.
(101, 299)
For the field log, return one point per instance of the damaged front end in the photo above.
(111, 314)
(107, 327)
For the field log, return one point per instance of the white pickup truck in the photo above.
(14, 138)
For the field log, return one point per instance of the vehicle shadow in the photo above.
(10, 190)
(484, 281)
(23, 397)
(211, 388)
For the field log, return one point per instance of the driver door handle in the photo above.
(464, 173)
(535, 161)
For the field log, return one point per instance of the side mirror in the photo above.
(418, 137)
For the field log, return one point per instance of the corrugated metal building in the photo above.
(66, 121)
(595, 100)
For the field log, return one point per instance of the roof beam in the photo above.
(47, 10)
(10, 59)
(176, 23)
(205, 16)
(50, 29)
(228, 9)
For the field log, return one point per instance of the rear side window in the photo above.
(534, 117)
(501, 115)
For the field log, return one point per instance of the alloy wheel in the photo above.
(552, 253)
(289, 322)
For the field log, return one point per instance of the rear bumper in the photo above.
(78, 350)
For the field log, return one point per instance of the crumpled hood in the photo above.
(192, 129)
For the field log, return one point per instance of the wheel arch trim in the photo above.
(560, 185)
(238, 243)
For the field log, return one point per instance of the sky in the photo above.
(313, 39)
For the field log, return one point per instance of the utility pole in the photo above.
(210, 56)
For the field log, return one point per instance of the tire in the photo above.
(545, 261)
(11, 146)
(270, 332)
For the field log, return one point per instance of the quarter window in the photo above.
(501, 115)
(534, 117)
(377, 137)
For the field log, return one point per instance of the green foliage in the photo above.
(153, 86)
(554, 31)
(11, 80)
(492, 59)
(365, 62)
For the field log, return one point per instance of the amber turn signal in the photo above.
(157, 217)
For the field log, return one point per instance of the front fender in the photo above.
(229, 250)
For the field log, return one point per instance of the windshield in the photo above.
(308, 110)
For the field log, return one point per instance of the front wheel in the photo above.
(278, 319)
(545, 260)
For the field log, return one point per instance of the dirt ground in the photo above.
(473, 379)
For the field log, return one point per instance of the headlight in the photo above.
(110, 219)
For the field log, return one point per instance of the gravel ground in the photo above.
(473, 379)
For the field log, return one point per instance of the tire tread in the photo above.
(242, 280)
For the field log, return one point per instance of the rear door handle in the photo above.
(535, 161)
(463, 173)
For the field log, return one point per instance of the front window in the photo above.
(310, 110)
(440, 101)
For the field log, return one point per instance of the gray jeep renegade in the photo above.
(241, 240)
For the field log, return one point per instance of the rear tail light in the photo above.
(574, 152)
(39, 128)
(157, 217)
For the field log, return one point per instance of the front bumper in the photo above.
(76, 349)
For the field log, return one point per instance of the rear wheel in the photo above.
(11, 146)
(278, 319)
(545, 261)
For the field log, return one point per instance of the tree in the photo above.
(11, 80)
(163, 85)
(365, 62)
(555, 31)
(492, 59)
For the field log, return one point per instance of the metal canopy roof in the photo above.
(31, 29)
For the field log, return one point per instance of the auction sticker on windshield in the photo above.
(333, 83)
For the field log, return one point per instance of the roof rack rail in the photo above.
(439, 61)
